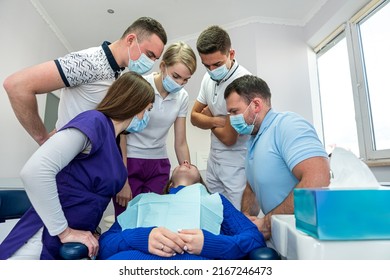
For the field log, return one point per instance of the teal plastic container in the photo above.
(343, 214)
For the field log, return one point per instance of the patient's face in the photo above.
(186, 171)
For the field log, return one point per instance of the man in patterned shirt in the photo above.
(83, 76)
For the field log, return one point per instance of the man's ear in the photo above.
(258, 102)
(130, 38)
(232, 54)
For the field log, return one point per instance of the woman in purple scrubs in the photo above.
(71, 178)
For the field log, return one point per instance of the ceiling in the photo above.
(84, 23)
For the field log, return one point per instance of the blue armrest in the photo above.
(74, 251)
(264, 253)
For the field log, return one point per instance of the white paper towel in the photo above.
(350, 172)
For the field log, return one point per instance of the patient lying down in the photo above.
(185, 223)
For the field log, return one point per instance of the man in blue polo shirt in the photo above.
(284, 151)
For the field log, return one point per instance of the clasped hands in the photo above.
(166, 243)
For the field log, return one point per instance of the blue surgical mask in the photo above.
(137, 125)
(142, 65)
(239, 124)
(170, 85)
(218, 73)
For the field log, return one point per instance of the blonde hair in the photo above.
(180, 52)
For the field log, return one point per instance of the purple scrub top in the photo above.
(85, 187)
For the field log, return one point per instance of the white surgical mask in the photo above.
(142, 65)
(218, 73)
(170, 84)
(239, 124)
(137, 125)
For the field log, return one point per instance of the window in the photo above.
(338, 112)
(353, 73)
(375, 42)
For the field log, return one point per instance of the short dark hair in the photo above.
(213, 39)
(146, 26)
(249, 87)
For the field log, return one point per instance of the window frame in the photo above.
(358, 78)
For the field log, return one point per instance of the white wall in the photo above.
(331, 16)
(282, 60)
(26, 40)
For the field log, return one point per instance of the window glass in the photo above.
(338, 113)
(375, 41)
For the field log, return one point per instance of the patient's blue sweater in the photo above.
(237, 238)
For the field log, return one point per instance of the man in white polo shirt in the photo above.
(225, 166)
(83, 76)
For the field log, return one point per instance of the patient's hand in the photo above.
(165, 243)
(194, 240)
(85, 237)
(124, 196)
(262, 226)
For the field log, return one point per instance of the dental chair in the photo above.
(14, 203)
